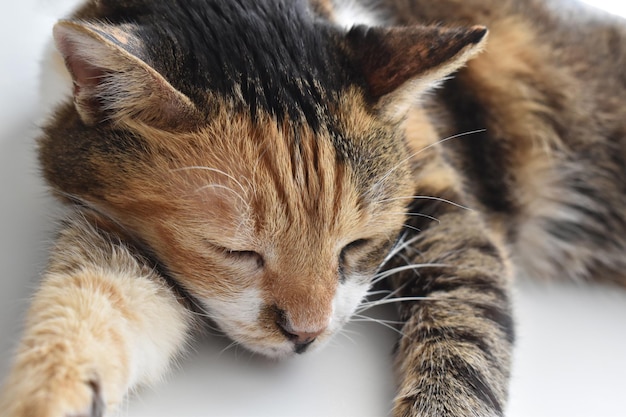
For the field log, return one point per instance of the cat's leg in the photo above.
(101, 323)
(454, 353)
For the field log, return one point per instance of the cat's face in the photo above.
(269, 180)
(275, 229)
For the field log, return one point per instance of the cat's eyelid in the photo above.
(238, 253)
(354, 245)
(219, 246)
(250, 254)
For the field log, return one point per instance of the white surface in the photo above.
(570, 360)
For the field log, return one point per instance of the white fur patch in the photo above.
(236, 312)
(238, 317)
(348, 298)
(349, 13)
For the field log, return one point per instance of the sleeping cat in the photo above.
(264, 163)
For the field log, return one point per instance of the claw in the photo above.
(97, 404)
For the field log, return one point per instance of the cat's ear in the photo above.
(113, 80)
(399, 63)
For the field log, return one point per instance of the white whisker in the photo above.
(426, 197)
(380, 276)
(217, 171)
(408, 262)
(370, 304)
(408, 226)
(370, 293)
(423, 215)
(395, 292)
(230, 346)
(408, 158)
(223, 187)
(344, 332)
(458, 135)
(381, 322)
(364, 318)
(399, 247)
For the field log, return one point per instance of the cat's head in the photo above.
(257, 151)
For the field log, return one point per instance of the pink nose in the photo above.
(301, 340)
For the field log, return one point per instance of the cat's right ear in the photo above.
(399, 63)
(113, 80)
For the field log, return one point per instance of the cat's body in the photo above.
(255, 162)
(549, 167)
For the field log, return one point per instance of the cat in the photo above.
(264, 163)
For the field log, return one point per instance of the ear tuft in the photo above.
(114, 82)
(392, 57)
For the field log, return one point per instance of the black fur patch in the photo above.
(483, 157)
(271, 55)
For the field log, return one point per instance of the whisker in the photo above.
(399, 247)
(380, 276)
(364, 318)
(217, 171)
(230, 346)
(223, 187)
(399, 164)
(370, 293)
(425, 197)
(368, 305)
(344, 332)
(394, 249)
(458, 135)
(381, 322)
(408, 262)
(388, 296)
(408, 226)
(395, 292)
(423, 215)
(358, 319)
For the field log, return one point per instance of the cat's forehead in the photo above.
(274, 56)
(261, 178)
(349, 142)
(243, 173)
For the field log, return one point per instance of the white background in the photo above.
(570, 360)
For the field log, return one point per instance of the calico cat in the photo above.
(263, 164)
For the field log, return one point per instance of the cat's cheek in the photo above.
(236, 312)
(349, 296)
(238, 317)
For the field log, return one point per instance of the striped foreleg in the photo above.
(453, 357)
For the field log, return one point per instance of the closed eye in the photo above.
(249, 256)
(359, 243)
(353, 246)
(246, 255)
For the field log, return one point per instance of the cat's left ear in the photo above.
(399, 64)
(113, 80)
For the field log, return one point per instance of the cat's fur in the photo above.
(258, 162)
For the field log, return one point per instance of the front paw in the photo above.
(59, 396)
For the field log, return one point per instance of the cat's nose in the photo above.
(301, 339)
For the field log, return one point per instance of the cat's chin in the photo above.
(274, 353)
(285, 350)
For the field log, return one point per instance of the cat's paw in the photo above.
(62, 396)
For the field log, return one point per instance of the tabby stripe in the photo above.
(457, 335)
(464, 373)
(501, 317)
(475, 381)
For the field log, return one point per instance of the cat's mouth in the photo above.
(284, 349)
(257, 322)
(279, 344)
